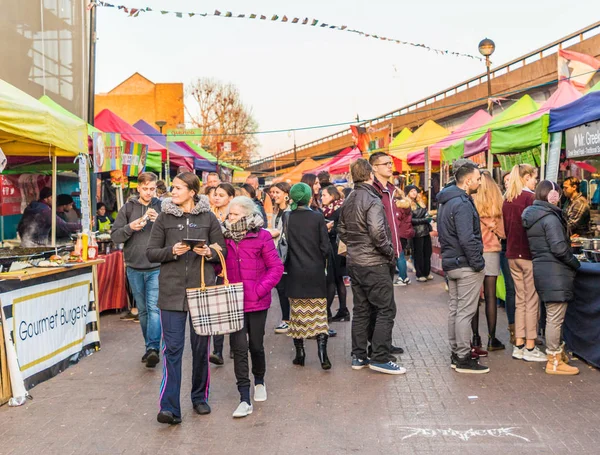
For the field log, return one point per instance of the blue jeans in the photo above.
(510, 288)
(144, 287)
(401, 265)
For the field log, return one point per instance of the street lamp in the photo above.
(487, 48)
(160, 124)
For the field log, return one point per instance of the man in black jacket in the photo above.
(371, 262)
(459, 232)
(132, 228)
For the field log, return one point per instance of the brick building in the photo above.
(139, 98)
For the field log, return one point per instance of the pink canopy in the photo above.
(109, 122)
(564, 94)
(340, 164)
(477, 120)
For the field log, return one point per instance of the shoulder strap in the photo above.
(284, 222)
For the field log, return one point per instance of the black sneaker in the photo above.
(396, 350)
(202, 408)
(469, 365)
(168, 417)
(152, 359)
(216, 358)
(453, 360)
(145, 357)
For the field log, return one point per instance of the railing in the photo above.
(531, 57)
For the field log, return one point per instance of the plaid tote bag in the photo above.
(216, 310)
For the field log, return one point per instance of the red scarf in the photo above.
(328, 210)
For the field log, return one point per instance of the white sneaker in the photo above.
(429, 277)
(422, 279)
(407, 280)
(260, 392)
(282, 328)
(243, 410)
(534, 356)
(517, 353)
(399, 282)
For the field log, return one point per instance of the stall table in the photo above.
(111, 282)
(581, 330)
(50, 317)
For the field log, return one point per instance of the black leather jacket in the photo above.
(364, 229)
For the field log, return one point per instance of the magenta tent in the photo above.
(564, 94)
(340, 164)
(477, 120)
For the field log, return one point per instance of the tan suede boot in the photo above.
(511, 331)
(564, 355)
(556, 365)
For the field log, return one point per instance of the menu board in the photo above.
(554, 156)
(84, 183)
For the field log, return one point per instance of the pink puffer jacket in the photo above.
(254, 261)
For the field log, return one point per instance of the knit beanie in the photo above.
(300, 194)
(408, 188)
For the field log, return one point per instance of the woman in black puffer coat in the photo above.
(554, 267)
(421, 222)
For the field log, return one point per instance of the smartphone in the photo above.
(193, 243)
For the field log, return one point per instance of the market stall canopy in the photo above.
(564, 94)
(595, 88)
(45, 99)
(154, 162)
(192, 160)
(30, 128)
(210, 157)
(399, 139)
(478, 141)
(427, 134)
(200, 163)
(584, 110)
(295, 175)
(339, 164)
(109, 122)
(478, 119)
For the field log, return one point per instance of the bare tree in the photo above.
(218, 110)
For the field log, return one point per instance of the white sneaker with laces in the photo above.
(407, 280)
(430, 277)
(399, 282)
(244, 409)
(282, 328)
(260, 392)
(517, 353)
(534, 356)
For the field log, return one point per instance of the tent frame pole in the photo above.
(543, 162)
(54, 185)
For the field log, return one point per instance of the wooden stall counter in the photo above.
(38, 272)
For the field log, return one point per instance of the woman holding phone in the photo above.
(186, 215)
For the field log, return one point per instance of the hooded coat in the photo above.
(554, 265)
(180, 272)
(459, 230)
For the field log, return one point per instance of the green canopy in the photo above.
(595, 88)
(210, 157)
(521, 108)
(45, 99)
(521, 137)
(154, 162)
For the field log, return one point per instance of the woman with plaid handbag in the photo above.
(253, 260)
(186, 215)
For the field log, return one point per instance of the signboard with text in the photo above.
(107, 150)
(184, 134)
(554, 156)
(583, 141)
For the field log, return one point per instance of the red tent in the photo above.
(340, 164)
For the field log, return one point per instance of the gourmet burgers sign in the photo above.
(583, 140)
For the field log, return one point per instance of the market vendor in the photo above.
(64, 205)
(577, 208)
(35, 226)
(103, 221)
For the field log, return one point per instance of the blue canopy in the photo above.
(584, 110)
(200, 164)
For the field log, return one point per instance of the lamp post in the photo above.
(161, 124)
(487, 48)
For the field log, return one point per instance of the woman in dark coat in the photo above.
(186, 215)
(306, 286)
(554, 268)
(331, 201)
(421, 222)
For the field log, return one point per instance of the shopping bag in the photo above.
(216, 310)
(342, 248)
(501, 288)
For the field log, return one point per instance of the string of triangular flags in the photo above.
(135, 12)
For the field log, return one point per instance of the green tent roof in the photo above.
(45, 99)
(521, 108)
(521, 137)
(210, 157)
(154, 162)
(595, 88)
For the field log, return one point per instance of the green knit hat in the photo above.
(300, 194)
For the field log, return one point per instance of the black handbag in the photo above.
(282, 245)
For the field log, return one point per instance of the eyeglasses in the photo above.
(387, 163)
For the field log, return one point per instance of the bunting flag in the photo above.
(134, 158)
(135, 12)
(361, 138)
(107, 151)
(379, 138)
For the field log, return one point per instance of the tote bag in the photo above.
(216, 310)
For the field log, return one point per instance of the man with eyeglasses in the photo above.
(577, 209)
(132, 228)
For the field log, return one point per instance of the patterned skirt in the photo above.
(308, 318)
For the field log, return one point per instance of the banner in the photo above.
(134, 158)
(10, 197)
(18, 191)
(184, 134)
(227, 147)
(107, 151)
(554, 156)
(583, 140)
(576, 67)
(379, 138)
(51, 320)
(361, 138)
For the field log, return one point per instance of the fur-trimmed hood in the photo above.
(169, 207)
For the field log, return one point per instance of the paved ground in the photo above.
(108, 402)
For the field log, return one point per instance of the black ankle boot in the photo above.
(322, 348)
(342, 315)
(300, 355)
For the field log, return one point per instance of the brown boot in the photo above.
(556, 365)
(564, 356)
(511, 330)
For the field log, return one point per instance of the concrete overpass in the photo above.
(533, 73)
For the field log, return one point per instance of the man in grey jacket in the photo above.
(132, 228)
(371, 262)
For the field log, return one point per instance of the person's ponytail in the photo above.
(516, 180)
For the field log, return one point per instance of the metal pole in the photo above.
(92, 67)
(54, 185)
(490, 157)
(295, 154)
(543, 162)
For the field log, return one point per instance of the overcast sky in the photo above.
(296, 76)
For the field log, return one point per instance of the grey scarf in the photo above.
(237, 231)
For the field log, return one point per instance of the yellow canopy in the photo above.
(30, 128)
(400, 138)
(427, 134)
(295, 175)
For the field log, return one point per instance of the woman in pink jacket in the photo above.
(253, 260)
